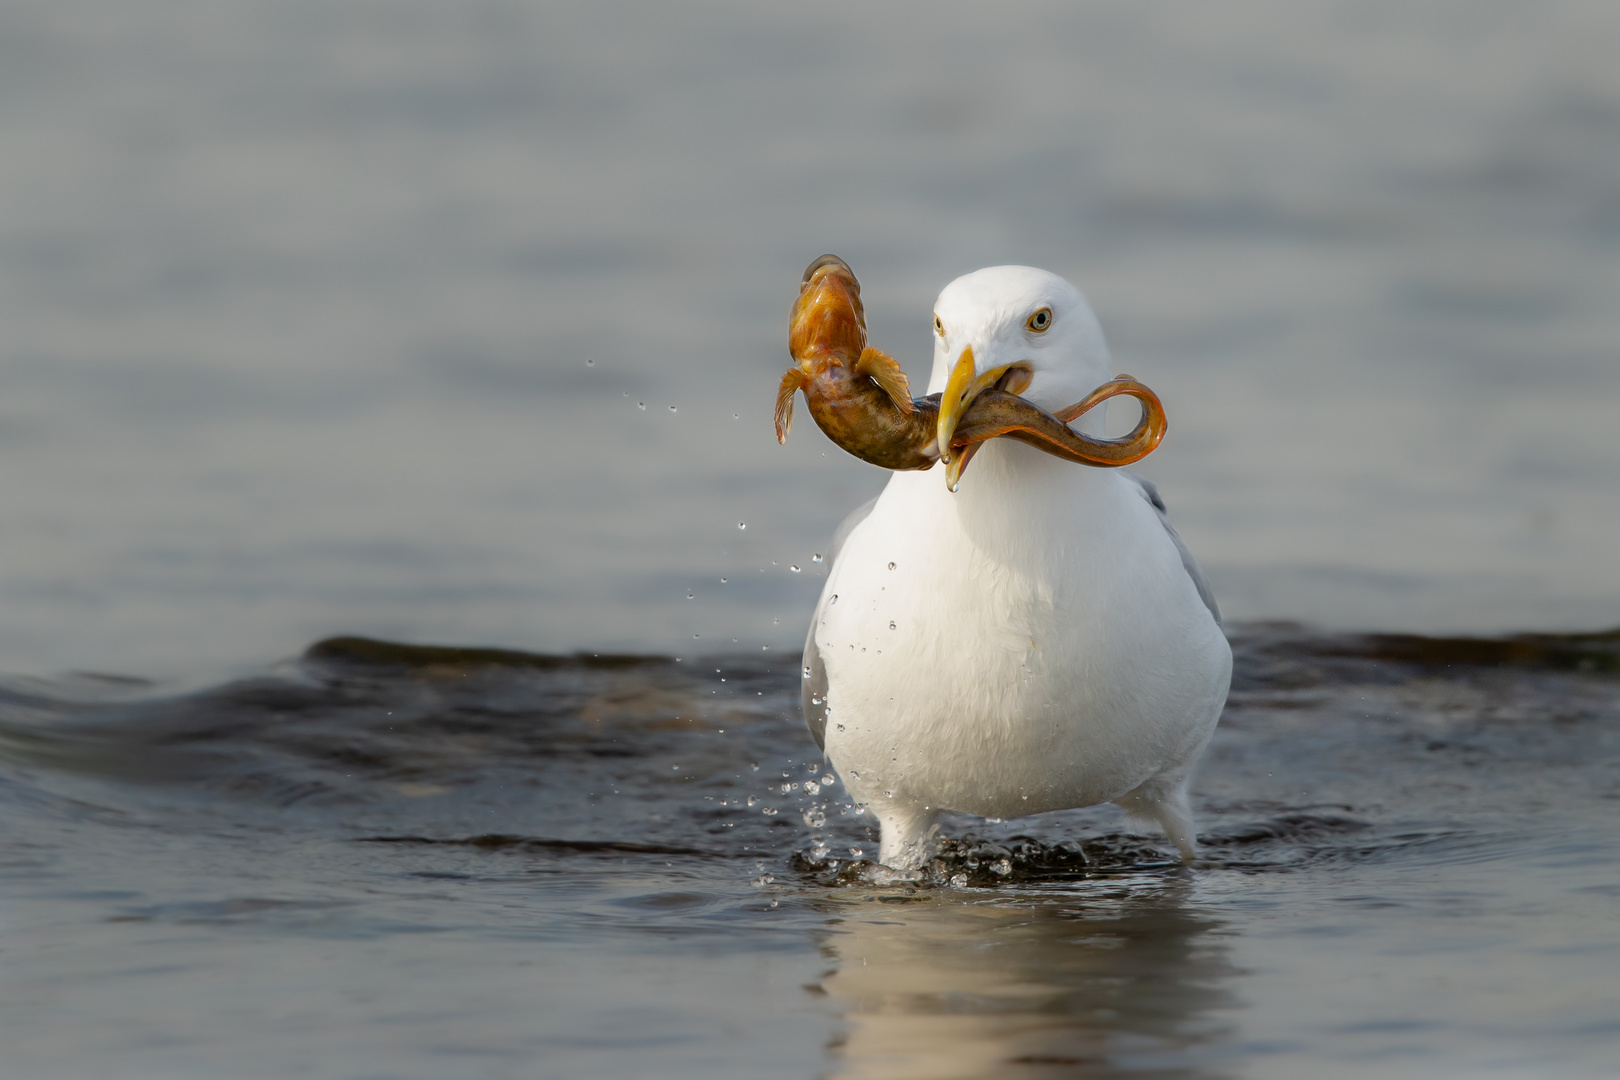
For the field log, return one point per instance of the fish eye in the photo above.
(1040, 321)
(939, 327)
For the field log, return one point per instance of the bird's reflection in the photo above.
(1088, 981)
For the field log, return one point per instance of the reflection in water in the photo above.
(1103, 977)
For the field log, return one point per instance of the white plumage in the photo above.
(1036, 641)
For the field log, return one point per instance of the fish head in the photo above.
(827, 324)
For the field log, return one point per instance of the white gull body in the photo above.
(1038, 640)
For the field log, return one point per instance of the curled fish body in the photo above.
(861, 398)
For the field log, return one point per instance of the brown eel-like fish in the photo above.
(862, 400)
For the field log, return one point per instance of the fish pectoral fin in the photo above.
(884, 370)
(792, 381)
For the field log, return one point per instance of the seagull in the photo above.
(1040, 638)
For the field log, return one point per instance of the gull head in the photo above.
(1018, 329)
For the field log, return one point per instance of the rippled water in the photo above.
(461, 322)
(394, 862)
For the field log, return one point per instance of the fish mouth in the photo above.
(828, 262)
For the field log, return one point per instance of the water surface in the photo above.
(462, 322)
(387, 862)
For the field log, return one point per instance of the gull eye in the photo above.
(1039, 321)
(939, 327)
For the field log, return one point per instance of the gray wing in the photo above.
(813, 689)
(1150, 492)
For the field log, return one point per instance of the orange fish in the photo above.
(862, 400)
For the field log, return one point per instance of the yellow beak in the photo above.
(958, 465)
(964, 385)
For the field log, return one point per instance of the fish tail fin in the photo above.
(792, 381)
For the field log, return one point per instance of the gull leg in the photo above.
(909, 838)
(1163, 801)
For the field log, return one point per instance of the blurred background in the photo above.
(462, 322)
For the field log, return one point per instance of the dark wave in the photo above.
(502, 842)
(1287, 655)
(362, 651)
(1328, 755)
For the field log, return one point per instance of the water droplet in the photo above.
(734, 416)
(742, 524)
(1001, 867)
(816, 557)
(794, 568)
(841, 728)
(752, 800)
(769, 811)
(786, 788)
(833, 601)
(590, 363)
(690, 594)
(891, 621)
(812, 788)
(814, 700)
(891, 566)
(958, 881)
(722, 581)
(642, 405)
(825, 780)
(672, 408)
(807, 671)
(855, 853)
(853, 775)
